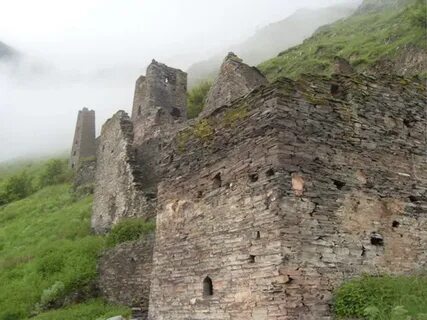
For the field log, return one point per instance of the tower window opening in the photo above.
(217, 181)
(175, 112)
(207, 287)
(334, 89)
(139, 110)
(251, 258)
(253, 177)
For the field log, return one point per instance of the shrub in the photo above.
(51, 295)
(129, 230)
(55, 172)
(197, 98)
(17, 187)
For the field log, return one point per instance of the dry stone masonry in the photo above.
(118, 185)
(235, 80)
(269, 200)
(84, 144)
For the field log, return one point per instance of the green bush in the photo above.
(52, 294)
(129, 230)
(55, 171)
(17, 187)
(383, 297)
(197, 98)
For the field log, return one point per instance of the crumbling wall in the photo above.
(235, 79)
(269, 204)
(84, 177)
(84, 145)
(125, 273)
(160, 97)
(118, 184)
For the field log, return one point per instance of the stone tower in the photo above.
(159, 108)
(160, 97)
(84, 143)
(235, 79)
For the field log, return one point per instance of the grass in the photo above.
(196, 98)
(47, 252)
(363, 39)
(91, 310)
(129, 230)
(383, 298)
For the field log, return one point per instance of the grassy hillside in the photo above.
(372, 34)
(48, 255)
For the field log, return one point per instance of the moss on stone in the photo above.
(232, 116)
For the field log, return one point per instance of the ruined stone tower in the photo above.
(159, 107)
(84, 143)
(235, 79)
(160, 97)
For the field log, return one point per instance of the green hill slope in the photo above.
(380, 35)
(48, 256)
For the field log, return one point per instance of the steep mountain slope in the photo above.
(272, 39)
(379, 36)
(7, 52)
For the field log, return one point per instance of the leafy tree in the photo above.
(55, 172)
(18, 187)
(197, 98)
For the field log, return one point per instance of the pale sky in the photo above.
(89, 53)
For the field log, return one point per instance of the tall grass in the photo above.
(48, 254)
(383, 298)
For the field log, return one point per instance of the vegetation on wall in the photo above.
(383, 298)
(363, 39)
(129, 230)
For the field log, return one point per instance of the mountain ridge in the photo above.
(271, 39)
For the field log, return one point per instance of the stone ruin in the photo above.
(269, 200)
(83, 152)
(235, 80)
(84, 143)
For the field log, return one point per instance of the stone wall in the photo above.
(118, 185)
(84, 176)
(280, 197)
(84, 145)
(125, 273)
(235, 79)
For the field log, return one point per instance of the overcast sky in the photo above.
(89, 53)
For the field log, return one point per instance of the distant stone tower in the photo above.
(84, 143)
(160, 97)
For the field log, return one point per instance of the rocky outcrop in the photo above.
(235, 80)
